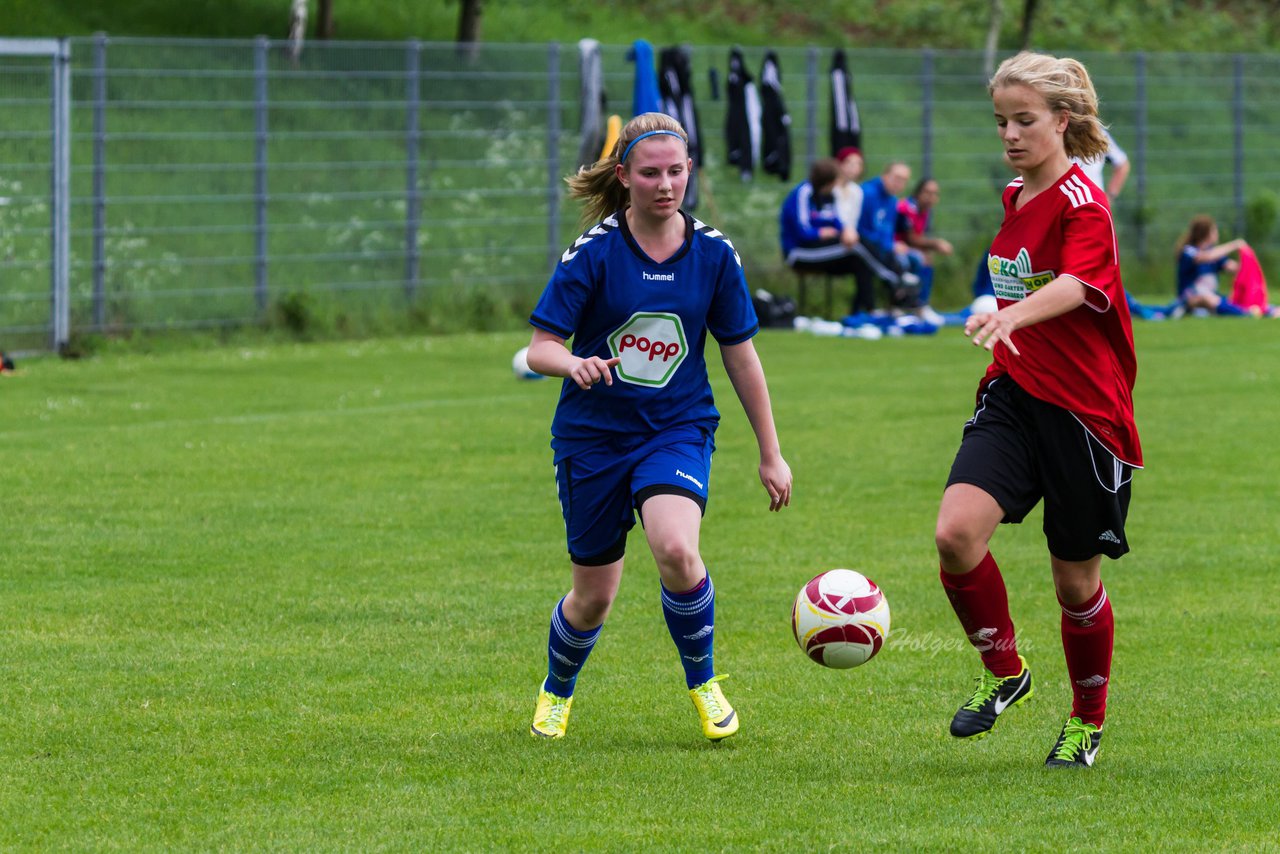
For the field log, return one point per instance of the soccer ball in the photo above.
(840, 618)
(520, 366)
(985, 304)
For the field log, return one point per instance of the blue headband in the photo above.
(623, 159)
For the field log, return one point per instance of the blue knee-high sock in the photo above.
(691, 619)
(567, 651)
(1231, 309)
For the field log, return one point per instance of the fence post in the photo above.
(1140, 148)
(413, 64)
(553, 148)
(99, 180)
(1237, 109)
(926, 113)
(811, 105)
(261, 46)
(61, 214)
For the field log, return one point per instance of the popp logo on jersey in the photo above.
(652, 347)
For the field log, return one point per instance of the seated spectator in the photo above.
(849, 192)
(813, 236)
(1200, 258)
(916, 247)
(877, 226)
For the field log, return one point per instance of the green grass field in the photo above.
(295, 597)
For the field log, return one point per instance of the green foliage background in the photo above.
(1180, 25)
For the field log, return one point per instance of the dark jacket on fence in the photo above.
(775, 122)
(846, 125)
(675, 85)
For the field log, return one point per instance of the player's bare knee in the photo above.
(588, 604)
(955, 541)
(678, 562)
(587, 609)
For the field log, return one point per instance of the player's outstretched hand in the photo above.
(989, 327)
(592, 370)
(775, 474)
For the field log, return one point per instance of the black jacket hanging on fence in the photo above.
(592, 102)
(846, 126)
(675, 86)
(775, 122)
(742, 116)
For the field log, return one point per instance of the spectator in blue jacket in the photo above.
(815, 238)
(877, 231)
(809, 223)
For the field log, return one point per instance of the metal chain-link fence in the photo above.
(220, 183)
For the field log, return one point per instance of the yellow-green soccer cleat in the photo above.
(719, 720)
(992, 697)
(1077, 747)
(551, 718)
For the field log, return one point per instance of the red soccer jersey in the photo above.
(1083, 360)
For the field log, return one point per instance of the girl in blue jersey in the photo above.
(634, 430)
(1200, 258)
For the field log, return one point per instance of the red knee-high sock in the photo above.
(1088, 632)
(980, 601)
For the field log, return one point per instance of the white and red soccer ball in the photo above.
(520, 366)
(840, 618)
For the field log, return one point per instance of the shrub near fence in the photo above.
(397, 185)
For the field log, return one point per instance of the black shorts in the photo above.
(1019, 449)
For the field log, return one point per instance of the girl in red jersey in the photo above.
(1054, 417)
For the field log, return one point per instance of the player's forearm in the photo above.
(1118, 178)
(549, 356)
(747, 376)
(1060, 296)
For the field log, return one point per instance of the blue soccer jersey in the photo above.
(615, 301)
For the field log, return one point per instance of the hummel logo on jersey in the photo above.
(1097, 680)
(1110, 537)
(700, 633)
(658, 277)
(560, 658)
(981, 639)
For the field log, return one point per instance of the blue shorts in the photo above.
(601, 487)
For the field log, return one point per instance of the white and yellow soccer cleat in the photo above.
(719, 719)
(551, 718)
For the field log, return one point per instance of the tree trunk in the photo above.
(324, 20)
(993, 38)
(1028, 14)
(469, 12)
